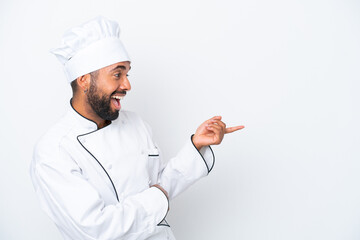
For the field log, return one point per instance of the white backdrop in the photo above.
(286, 69)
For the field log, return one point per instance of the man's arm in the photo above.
(196, 159)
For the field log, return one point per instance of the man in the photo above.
(97, 172)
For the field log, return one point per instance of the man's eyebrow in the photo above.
(122, 67)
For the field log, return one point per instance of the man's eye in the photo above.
(119, 75)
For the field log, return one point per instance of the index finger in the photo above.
(233, 129)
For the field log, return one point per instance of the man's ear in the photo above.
(84, 82)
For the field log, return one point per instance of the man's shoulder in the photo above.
(55, 135)
(53, 147)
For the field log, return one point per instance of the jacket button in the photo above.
(109, 166)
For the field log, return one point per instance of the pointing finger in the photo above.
(233, 129)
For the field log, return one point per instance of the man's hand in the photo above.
(211, 132)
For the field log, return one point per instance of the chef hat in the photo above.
(89, 47)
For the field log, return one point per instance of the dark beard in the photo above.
(101, 104)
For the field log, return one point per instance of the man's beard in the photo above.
(100, 103)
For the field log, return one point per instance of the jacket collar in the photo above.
(84, 122)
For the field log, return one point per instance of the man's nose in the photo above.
(125, 84)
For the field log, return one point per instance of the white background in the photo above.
(287, 70)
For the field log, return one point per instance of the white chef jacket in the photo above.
(95, 183)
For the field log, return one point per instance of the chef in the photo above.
(97, 172)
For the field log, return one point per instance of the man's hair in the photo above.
(74, 85)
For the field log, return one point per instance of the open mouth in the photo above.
(116, 101)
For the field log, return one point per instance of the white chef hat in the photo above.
(89, 47)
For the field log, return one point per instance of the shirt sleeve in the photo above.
(78, 209)
(188, 166)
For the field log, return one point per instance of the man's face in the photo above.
(107, 87)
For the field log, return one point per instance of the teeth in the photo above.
(117, 97)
